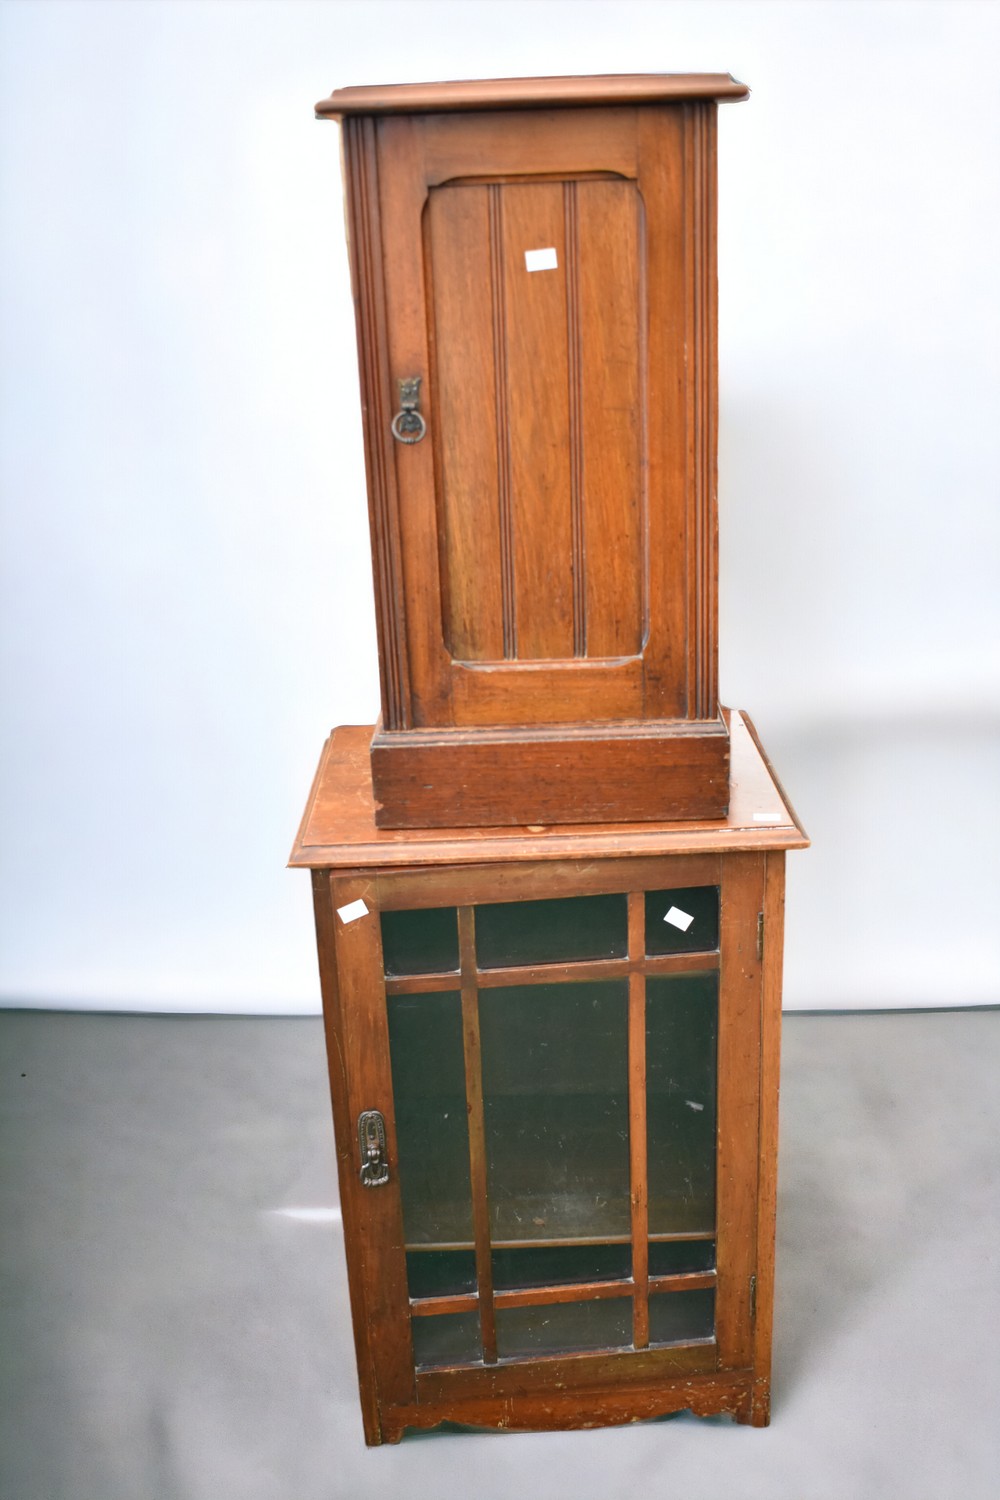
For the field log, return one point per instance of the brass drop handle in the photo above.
(371, 1139)
(408, 426)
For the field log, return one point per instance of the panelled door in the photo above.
(569, 1084)
(539, 278)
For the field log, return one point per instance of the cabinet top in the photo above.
(338, 828)
(529, 93)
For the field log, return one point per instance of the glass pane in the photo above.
(428, 1084)
(557, 1265)
(676, 1317)
(681, 1026)
(555, 1087)
(678, 935)
(541, 932)
(564, 1327)
(440, 1273)
(446, 1339)
(673, 1257)
(420, 942)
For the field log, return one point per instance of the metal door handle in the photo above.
(371, 1139)
(408, 426)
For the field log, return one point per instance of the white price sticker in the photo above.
(542, 260)
(352, 911)
(678, 918)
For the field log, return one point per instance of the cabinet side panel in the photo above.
(739, 1104)
(774, 924)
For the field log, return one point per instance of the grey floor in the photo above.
(174, 1317)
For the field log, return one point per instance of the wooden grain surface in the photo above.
(368, 284)
(546, 556)
(529, 93)
(360, 1038)
(576, 1371)
(559, 1410)
(351, 1202)
(593, 773)
(546, 599)
(530, 881)
(742, 897)
(550, 543)
(560, 1391)
(770, 1069)
(338, 828)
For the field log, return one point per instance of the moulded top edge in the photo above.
(529, 93)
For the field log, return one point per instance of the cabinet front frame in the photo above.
(355, 1002)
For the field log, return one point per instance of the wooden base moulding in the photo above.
(616, 773)
(731, 1394)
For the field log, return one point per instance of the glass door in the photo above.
(555, 1074)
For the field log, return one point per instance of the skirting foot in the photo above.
(760, 1415)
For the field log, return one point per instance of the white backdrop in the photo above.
(186, 600)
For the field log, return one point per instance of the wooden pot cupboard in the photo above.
(549, 884)
(535, 288)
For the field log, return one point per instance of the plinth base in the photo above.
(503, 777)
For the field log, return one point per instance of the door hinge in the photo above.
(753, 1298)
(760, 934)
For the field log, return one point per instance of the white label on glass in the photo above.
(352, 911)
(692, 1105)
(678, 918)
(767, 817)
(542, 260)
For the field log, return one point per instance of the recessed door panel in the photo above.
(538, 383)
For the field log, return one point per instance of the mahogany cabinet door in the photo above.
(569, 1085)
(546, 552)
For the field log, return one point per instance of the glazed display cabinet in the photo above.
(554, 1067)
